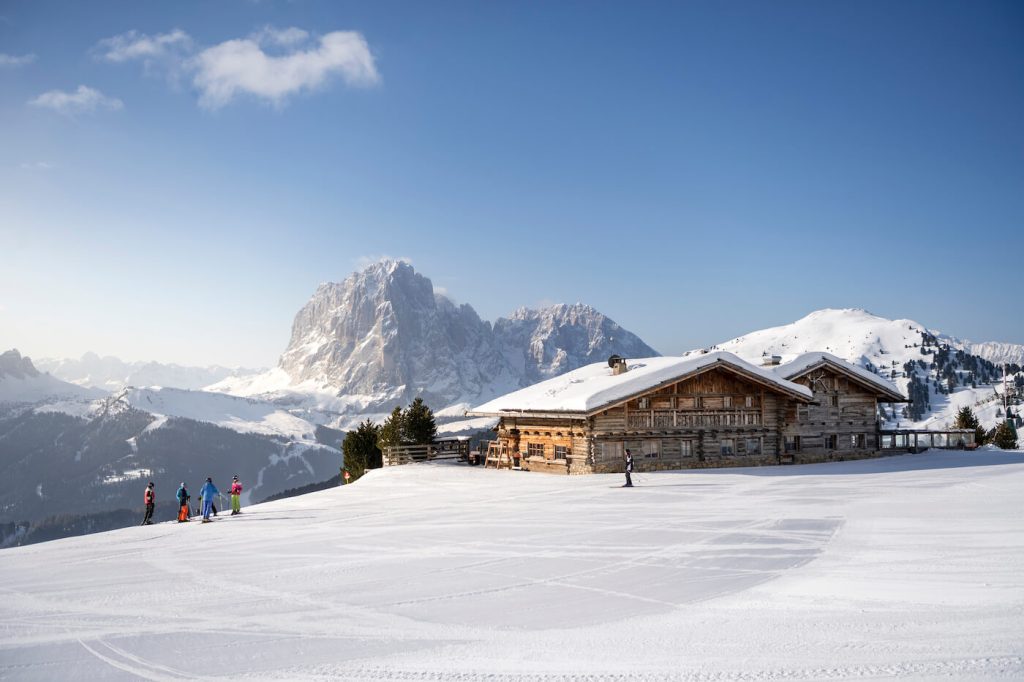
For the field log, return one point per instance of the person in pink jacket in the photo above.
(236, 496)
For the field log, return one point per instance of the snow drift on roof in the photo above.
(594, 386)
(802, 363)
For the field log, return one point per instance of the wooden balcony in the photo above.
(688, 419)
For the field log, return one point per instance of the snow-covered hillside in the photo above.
(903, 351)
(875, 569)
(112, 374)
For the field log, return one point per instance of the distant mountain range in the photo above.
(111, 374)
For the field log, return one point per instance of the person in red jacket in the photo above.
(236, 495)
(148, 497)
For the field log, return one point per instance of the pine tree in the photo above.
(419, 427)
(1005, 437)
(966, 419)
(361, 451)
(391, 432)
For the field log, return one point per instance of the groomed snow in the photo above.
(909, 567)
(594, 386)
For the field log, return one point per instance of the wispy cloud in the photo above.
(36, 166)
(10, 61)
(272, 64)
(135, 45)
(82, 100)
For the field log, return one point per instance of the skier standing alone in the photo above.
(236, 496)
(206, 494)
(629, 469)
(183, 498)
(148, 496)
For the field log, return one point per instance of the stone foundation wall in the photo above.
(641, 465)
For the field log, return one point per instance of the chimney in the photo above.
(618, 365)
(770, 360)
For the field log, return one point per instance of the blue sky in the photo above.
(693, 170)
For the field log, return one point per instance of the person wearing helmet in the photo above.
(183, 499)
(208, 491)
(236, 496)
(149, 497)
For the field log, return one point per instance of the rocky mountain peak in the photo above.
(385, 334)
(13, 365)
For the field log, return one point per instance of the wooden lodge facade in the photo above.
(713, 411)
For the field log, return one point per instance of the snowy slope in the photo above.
(881, 345)
(873, 569)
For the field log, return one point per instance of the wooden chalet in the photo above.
(704, 410)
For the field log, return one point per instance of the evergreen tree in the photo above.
(966, 419)
(418, 425)
(1005, 437)
(360, 448)
(391, 431)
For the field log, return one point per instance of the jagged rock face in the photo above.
(544, 343)
(384, 332)
(13, 365)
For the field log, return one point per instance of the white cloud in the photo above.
(135, 45)
(37, 166)
(243, 67)
(284, 36)
(10, 61)
(84, 99)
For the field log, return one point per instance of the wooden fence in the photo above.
(404, 454)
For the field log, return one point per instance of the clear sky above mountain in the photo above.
(176, 179)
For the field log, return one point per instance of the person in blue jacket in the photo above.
(207, 493)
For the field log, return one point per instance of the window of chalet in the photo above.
(535, 449)
(831, 442)
(643, 403)
(791, 443)
(611, 450)
(727, 401)
(727, 446)
(802, 413)
(748, 401)
(752, 446)
(858, 441)
(686, 448)
(833, 400)
(561, 452)
(651, 448)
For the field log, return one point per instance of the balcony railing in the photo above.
(679, 419)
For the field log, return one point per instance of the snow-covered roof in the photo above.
(595, 387)
(808, 361)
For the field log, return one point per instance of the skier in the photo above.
(629, 469)
(206, 494)
(183, 498)
(236, 496)
(148, 497)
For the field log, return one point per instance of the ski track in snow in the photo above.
(909, 567)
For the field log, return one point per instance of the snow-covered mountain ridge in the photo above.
(384, 336)
(938, 372)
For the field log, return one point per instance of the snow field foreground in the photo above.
(907, 567)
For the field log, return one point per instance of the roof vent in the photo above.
(618, 364)
(770, 360)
